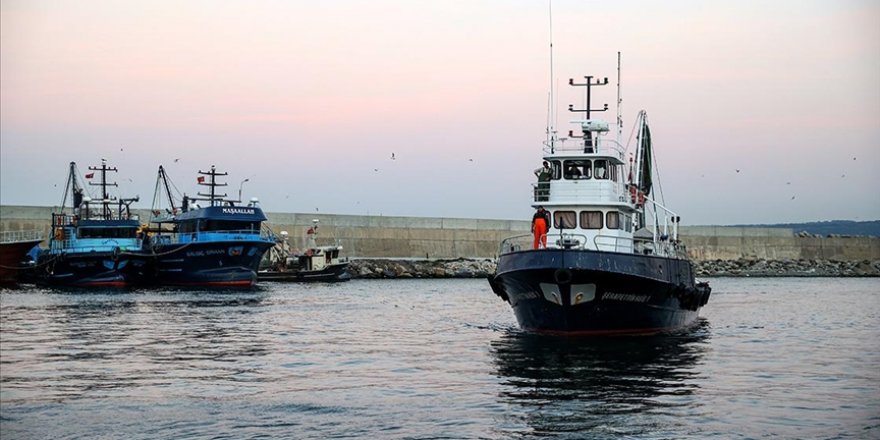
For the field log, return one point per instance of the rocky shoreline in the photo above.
(479, 268)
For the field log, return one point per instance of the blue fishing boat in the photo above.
(216, 245)
(97, 243)
(604, 256)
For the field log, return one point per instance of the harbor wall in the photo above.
(431, 238)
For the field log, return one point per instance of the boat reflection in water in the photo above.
(601, 387)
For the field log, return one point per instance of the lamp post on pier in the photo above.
(239, 188)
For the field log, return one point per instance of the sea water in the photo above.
(769, 358)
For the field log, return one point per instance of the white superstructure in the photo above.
(599, 192)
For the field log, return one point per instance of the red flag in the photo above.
(90, 175)
(201, 179)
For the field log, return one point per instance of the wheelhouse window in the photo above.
(106, 233)
(591, 219)
(564, 219)
(556, 167)
(577, 169)
(627, 222)
(601, 169)
(230, 225)
(612, 220)
(217, 225)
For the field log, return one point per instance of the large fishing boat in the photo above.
(97, 243)
(14, 249)
(311, 263)
(610, 261)
(219, 244)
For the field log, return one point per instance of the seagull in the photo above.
(792, 197)
(854, 158)
(470, 160)
(120, 149)
(130, 180)
(842, 176)
(175, 160)
(737, 171)
(376, 170)
(392, 157)
(788, 183)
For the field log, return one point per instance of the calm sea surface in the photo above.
(770, 358)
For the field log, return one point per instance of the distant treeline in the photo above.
(831, 227)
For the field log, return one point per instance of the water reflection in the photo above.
(600, 386)
(67, 345)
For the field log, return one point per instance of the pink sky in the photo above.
(308, 98)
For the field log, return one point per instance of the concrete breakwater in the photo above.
(479, 268)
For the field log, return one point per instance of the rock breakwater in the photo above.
(479, 268)
(457, 268)
(787, 268)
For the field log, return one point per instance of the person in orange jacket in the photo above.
(540, 226)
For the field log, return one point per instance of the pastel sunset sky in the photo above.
(309, 99)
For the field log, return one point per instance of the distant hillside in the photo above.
(838, 227)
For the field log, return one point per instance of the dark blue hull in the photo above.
(592, 292)
(217, 263)
(93, 269)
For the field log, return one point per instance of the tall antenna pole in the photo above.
(550, 128)
(619, 102)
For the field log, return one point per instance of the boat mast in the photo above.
(162, 185)
(619, 102)
(551, 130)
(164, 179)
(213, 197)
(587, 136)
(105, 197)
(73, 187)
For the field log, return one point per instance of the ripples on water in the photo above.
(771, 358)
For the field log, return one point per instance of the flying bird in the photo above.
(470, 160)
(376, 170)
(392, 157)
(842, 176)
(737, 171)
(792, 197)
(788, 183)
(176, 160)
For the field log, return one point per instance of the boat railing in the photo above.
(663, 247)
(604, 191)
(665, 221)
(614, 243)
(15, 236)
(602, 146)
(516, 243)
(165, 238)
(63, 220)
(95, 245)
(564, 240)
